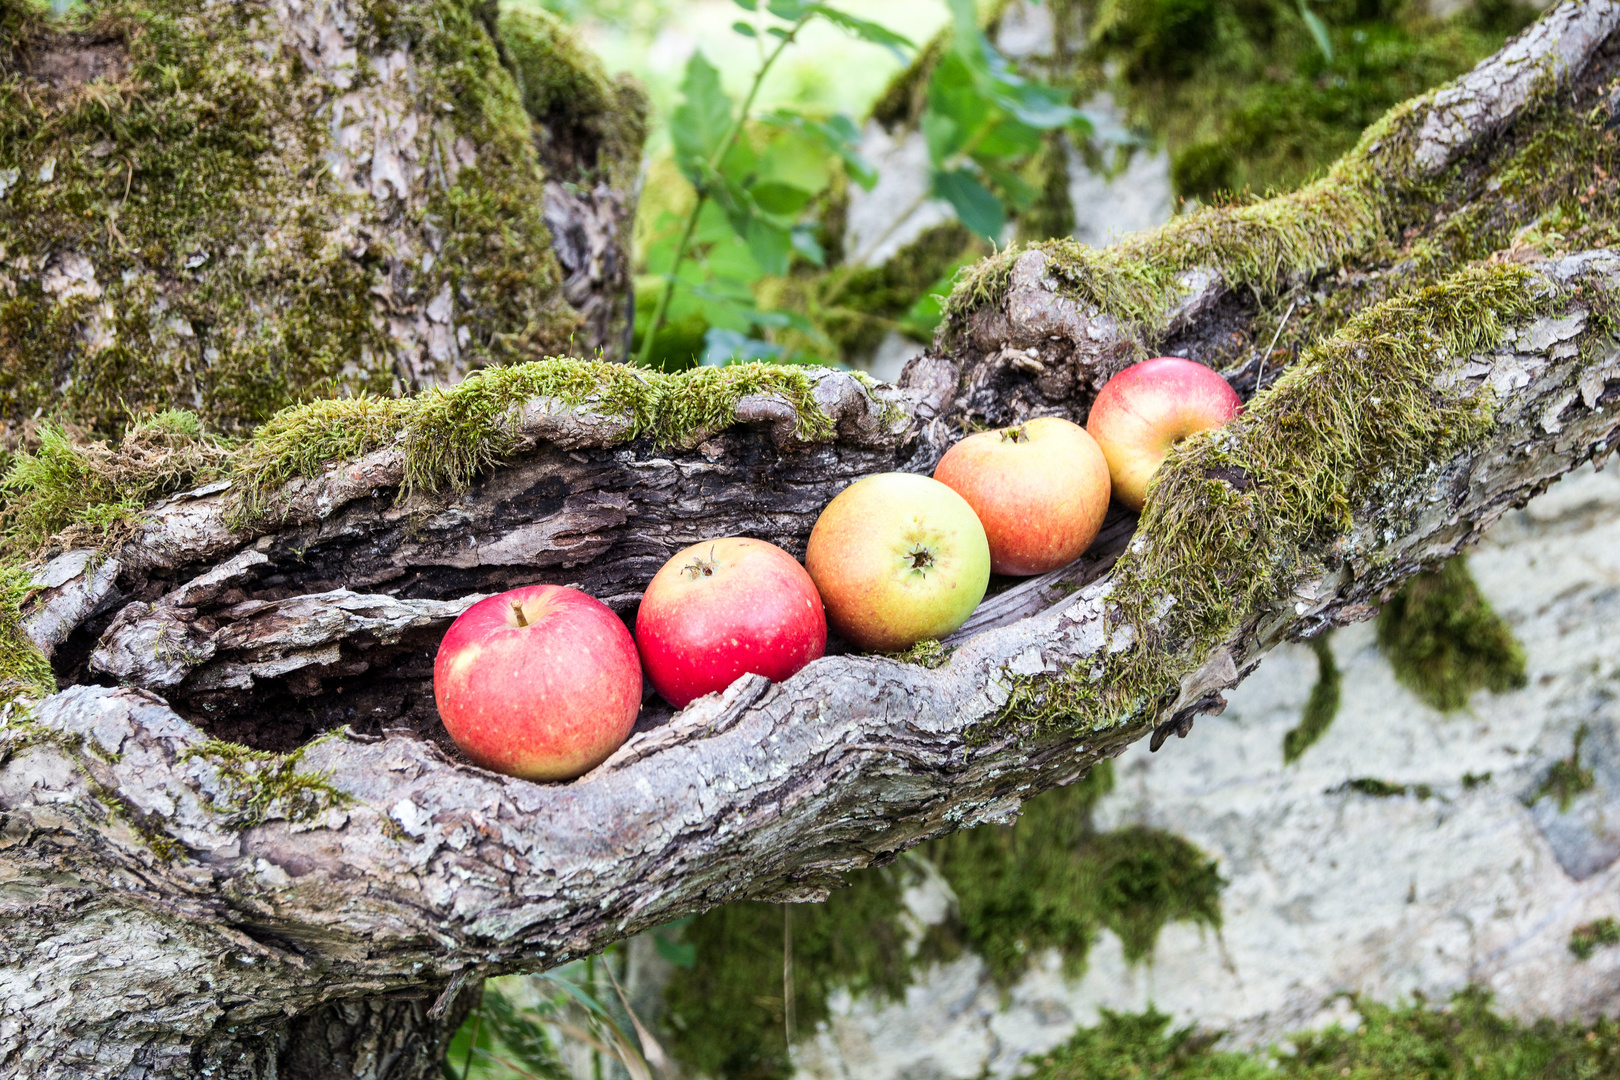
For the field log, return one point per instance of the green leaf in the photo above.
(747, 5)
(728, 346)
(862, 28)
(791, 10)
(744, 29)
(979, 210)
(776, 197)
(838, 135)
(1318, 30)
(703, 119)
(806, 244)
(770, 244)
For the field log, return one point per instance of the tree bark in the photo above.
(174, 906)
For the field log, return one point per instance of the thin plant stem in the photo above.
(702, 195)
(478, 1021)
(787, 973)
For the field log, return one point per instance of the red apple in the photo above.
(1040, 489)
(1149, 407)
(541, 682)
(898, 558)
(723, 609)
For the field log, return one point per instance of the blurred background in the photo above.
(1390, 857)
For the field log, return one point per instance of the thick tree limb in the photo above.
(376, 873)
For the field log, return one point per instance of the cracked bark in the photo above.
(145, 937)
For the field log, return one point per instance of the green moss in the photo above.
(929, 654)
(1358, 412)
(234, 271)
(1320, 708)
(1464, 1040)
(449, 435)
(727, 1010)
(593, 124)
(1444, 641)
(1049, 881)
(1383, 789)
(1589, 937)
(260, 785)
(24, 671)
(1568, 778)
(71, 492)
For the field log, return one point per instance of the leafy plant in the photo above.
(751, 193)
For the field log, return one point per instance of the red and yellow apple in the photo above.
(898, 558)
(1149, 407)
(727, 608)
(1040, 489)
(541, 682)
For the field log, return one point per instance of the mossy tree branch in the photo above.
(1434, 389)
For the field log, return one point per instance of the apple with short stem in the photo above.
(1150, 407)
(898, 559)
(723, 609)
(541, 682)
(1040, 489)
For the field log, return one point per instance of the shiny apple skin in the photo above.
(727, 608)
(861, 556)
(1040, 489)
(1149, 407)
(546, 701)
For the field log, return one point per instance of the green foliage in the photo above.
(1320, 708)
(1587, 938)
(260, 785)
(1463, 1041)
(1445, 642)
(1567, 778)
(1050, 881)
(755, 177)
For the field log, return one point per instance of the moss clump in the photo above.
(260, 785)
(1568, 778)
(1382, 789)
(1465, 1040)
(71, 492)
(1050, 881)
(447, 436)
(592, 127)
(1357, 413)
(24, 671)
(1320, 708)
(1588, 938)
(1444, 641)
(928, 654)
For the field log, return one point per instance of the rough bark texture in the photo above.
(174, 906)
(227, 207)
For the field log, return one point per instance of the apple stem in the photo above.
(517, 611)
(1014, 434)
